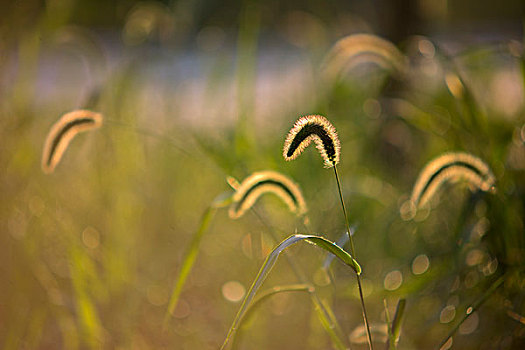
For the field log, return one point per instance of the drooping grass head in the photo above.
(259, 183)
(313, 128)
(451, 167)
(63, 131)
(355, 49)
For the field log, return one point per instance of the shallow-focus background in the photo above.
(195, 91)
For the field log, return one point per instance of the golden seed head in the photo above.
(451, 167)
(313, 128)
(63, 131)
(352, 50)
(263, 182)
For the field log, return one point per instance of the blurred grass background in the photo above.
(194, 91)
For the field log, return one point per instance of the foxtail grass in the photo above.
(318, 129)
(324, 312)
(63, 131)
(263, 182)
(451, 167)
(313, 128)
(357, 49)
(270, 261)
(246, 193)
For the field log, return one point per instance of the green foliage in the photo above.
(120, 246)
(270, 261)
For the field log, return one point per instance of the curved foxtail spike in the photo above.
(313, 128)
(355, 49)
(262, 182)
(63, 131)
(451, 167)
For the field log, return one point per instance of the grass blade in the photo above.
(395, 328)
(323, 310)
(299, 287)
(341, 242)
(191, 254)
(329, 322)
(270, 261)
(85, 305)
(474, 307)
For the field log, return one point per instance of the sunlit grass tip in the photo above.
(63, 131)
(357, 49)
(313, 128)
(262, 182)
(451, 167)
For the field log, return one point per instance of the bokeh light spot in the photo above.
(393, 280)
(447, 345)
(233, 291)
(407, 210)
(420, 264)
(470, 324)
(426, 48)
(157, 295)
(91, 237)
(372, 108)
(447, 314)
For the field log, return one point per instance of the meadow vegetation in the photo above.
(158, 228)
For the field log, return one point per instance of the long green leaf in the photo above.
(393, 332)
(329, 322)
(192, 251)
(270, 261)
(298, 287)
(323, 310)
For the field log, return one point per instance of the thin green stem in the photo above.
(474, 307)
(352, 252)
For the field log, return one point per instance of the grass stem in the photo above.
(474, 307)
(352, 252)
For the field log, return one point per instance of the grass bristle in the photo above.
(63, 131)
(451, 167)
(313, 128)
(356, 49)
(263, 182)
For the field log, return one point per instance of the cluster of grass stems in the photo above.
(495, 194)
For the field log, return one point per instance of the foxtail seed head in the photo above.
(63, 131)
(355, 49)
(451, 167)
(259, 183)
(313, 128)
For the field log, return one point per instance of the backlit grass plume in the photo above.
(263, 182)
(451, 167)
(356, 49)
(63, 131)
(313, 128)
(320, 130)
